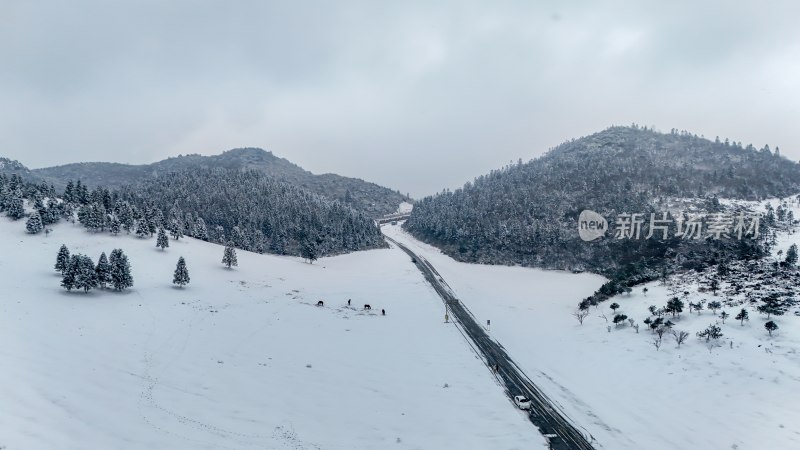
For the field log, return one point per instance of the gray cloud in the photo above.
(414, 95)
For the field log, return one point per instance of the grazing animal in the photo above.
(320, 303)
(383, 312)
(367, 307)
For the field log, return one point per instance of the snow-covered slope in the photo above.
(239, 359)
(615, 383)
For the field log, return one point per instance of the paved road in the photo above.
(562, 435)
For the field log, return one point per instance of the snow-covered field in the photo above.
(616, 384)
(239, 359)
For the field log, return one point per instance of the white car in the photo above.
(522, 402)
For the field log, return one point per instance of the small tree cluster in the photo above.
(79, 271)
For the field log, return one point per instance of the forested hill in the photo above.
(253, 211)
(364, 196)
(527, 213)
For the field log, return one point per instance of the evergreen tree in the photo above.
(200, 231)
(181, 275)
(771, 326)
(34, 224)
(121, 277)
(62, 260)
(771, 306)
(71, 272)
(162, 241)
(229, 257)
(219, 234)
(85, 277)
(176, 229)
(142, 228)
(674, 306)
(125, 215)
(16, 208)
(69, 192)
(103, 271)
(742, 316)
(791, 255)
(114, 225)
(714, 285)
(309, 251)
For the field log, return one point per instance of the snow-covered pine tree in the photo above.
(219, 234)
(181, 275)
(121, 277)
(162, 241)
(34, 224)
(85, 277)
(229, 257)
(158, 219)
(200, 231)
(114, 225)
(62, 260)
(103, 271)
(309, 250)
(142, 228)
(15, 208)
(70, 273)
(176, 229)
(791, 255)
(125, 215)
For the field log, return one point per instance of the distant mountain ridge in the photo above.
(370, 198)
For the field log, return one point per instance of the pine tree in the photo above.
(181, 276)
(71, 272)
(114, 226)
(771, 306)
(62, 260)
(791, 255)
(742, 316)
(200, 231)
(103, 271)
(674, 306)
(229, 257)
(771, 326)
(34, 224)
(85, 277)
(121, 277)
(142, 228)
(69, 192)
(16, 208)
(219, 234)
(176, 229)
(162, 241)
(309, 251)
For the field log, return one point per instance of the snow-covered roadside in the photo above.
(238, 359)
(616, 384)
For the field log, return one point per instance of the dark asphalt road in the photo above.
(562, 435)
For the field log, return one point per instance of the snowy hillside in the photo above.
(616, 384)
(628, 394)
(238, 359)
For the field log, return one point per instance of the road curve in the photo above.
(553, 424)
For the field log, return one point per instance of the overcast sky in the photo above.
(417, 96)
